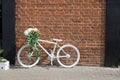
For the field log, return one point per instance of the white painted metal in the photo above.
(51, 57)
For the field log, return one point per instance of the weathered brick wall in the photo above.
(79, 22)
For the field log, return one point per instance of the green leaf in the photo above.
(32, 39)
(1, 51)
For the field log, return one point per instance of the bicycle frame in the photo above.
(53, 51)
(49, 42)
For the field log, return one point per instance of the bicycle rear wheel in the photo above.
(68, 55)
(26, 59)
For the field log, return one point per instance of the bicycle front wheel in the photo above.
(68, 55)
(27, 59)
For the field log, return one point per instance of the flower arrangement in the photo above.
(4, 63)
(32, 36)
(1, 58)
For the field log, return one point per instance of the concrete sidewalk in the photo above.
(58, 73)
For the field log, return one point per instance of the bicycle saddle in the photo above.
(57, 40)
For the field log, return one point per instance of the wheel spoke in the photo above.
(68, 56)
(25, 59)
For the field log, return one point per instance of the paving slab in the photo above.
(59, 73)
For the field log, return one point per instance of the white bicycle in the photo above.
(67, 55)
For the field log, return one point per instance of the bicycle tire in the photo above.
(64, 61)
(23, 55)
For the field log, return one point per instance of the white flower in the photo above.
(30, 29)
(35, 29)
(26, 32)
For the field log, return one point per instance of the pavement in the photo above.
(59, 73)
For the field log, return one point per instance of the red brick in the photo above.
(79, 22)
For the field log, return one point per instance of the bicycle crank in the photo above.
(51, 58)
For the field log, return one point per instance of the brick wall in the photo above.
(79, 22)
